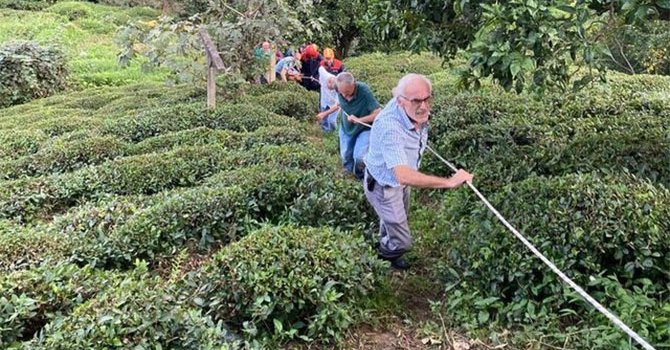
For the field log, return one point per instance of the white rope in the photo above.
(544, 259)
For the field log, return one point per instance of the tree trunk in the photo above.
(165, 8)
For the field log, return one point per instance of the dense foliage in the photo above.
(132, 216)
(29, 71)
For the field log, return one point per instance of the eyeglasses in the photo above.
(417, 102)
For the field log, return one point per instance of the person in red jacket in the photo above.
(332, 64)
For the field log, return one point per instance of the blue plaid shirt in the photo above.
(394, 141)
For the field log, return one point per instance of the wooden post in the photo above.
(211, 84)
(271, 69)
(214, 64)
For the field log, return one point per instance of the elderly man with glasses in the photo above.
(397, 142)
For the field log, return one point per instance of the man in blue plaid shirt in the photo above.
(397, 142)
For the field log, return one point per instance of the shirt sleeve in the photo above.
(393, 153)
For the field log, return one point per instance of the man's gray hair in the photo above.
(344, 78)
(407, 80)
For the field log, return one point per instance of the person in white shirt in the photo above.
(328, 105)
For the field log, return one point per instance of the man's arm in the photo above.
(410, 177)
(366, 119)
(328, 111)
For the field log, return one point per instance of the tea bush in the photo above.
(219, 212)
(26, 5)
(299, 105)
(239, 117)
(289, 282)
(25, 246)
(30, 198)
(64, 155)
(262, 89)
(230, 139)
(509, 151)
(368, 66)
(586, 224)
(29, 71)
(32, 298)
(19, 143)
(140, 311)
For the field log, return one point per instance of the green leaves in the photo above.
(523, 38)
(29, 71)
(306, 281)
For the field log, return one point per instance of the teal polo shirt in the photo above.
(363, 103)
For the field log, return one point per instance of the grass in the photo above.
(86, 33)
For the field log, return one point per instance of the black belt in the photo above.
(370, 181)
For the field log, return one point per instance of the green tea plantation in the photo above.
(134, 217)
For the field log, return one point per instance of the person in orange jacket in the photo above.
(332, 64)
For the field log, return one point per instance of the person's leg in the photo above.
(324, 122)
(398, 239)
(360, 150)
(347, 151)
(394, 234)
(332, 121)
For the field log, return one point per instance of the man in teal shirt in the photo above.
(357, 104)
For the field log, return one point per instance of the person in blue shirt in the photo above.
(397, 142)
(288, 68)
(357, 104)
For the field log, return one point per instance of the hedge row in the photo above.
(301, 105)
(20, 143)
(64, 307)
(33, 118)
(279, 283)
(288, 282)
(369, 66)
(79, 149)
(239, 117)
(104, 102)
(32, 298)
(505, 152)
(25, 246)
(588, 225)
(64, 155)
(145, 174)
(219, 212)
(141, 312)
(269, 189)
(274, 135)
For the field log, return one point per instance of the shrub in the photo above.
(229, 139)
(335, 202)
(72, 10)
(510, 151)
(26, 5)
(139, 311)
(27, 199)
(63, 155)
(368, 66)
(25, 246)
(238, 117)
(215, 213)
(31, 299)
(587, 225)
(262, 89)
(37, 117)
(20, 142)
(299, 105)
(287, 282)
(28, 71)
(454, 112)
